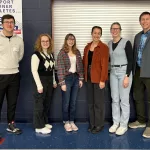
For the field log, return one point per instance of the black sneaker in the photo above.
(11, 128)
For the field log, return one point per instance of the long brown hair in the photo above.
(38, 46)
(65, 45)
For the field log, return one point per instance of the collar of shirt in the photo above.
(147, 33)
(98, 45)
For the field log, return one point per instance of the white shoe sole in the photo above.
(9, 130)
(68, 130)
(146, 136)
(42, 132)
(112, 131)
(18, 131)
(122, 133)
(135, 127)
(75, 129)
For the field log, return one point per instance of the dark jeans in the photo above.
(139, 86)
(69, 97)
(96, 105)
(42, 102)
(9, 85)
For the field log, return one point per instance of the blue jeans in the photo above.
(120, 96)
(69, 97)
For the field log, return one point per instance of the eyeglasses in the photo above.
(71, 39)
(9, 22)
(115, 28)
(44, 41)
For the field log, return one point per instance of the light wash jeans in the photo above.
(120, 96)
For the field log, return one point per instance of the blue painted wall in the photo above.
(37, 19)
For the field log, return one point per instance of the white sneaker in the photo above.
(73, 126)
(67, 127)
(48, 126)
(43, 130)
(121, 130)
(113, 128)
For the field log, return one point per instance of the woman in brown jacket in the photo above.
(95, 60)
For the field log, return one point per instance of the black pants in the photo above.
(42, 102)
(139, 87)
(9, 86)
(96, 103)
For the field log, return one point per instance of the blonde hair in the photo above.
(38, 46)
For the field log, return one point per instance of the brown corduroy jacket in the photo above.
(99, 65)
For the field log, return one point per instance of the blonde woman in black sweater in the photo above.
(42, 67)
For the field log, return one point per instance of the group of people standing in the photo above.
(126, 64)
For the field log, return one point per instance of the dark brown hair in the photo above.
(7, 16)
(144, 13)
(98, 27)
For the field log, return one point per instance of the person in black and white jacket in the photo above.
(11, 53)
(43, 71)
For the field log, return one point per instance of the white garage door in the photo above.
(79, 16)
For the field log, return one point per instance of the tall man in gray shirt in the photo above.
(11, 52)
(141, 71)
